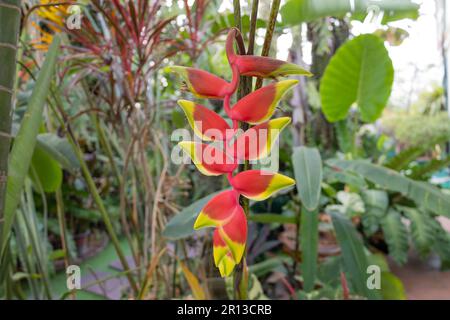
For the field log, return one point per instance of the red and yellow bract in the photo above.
(224, 211)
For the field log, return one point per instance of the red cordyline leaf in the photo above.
(259, 185)
(209, 160)
(201, 83)
(207, 124)
(259, 106)
(257, 142)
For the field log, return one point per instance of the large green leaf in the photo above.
(45, 171)
(59, 149)
(308, 175)
(299, 11)
(353, 256)
(182, 225)
(22, 150)
(423, 194)
(360, 73)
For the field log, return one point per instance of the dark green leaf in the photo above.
(353, 256)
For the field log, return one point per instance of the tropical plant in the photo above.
(224, 211)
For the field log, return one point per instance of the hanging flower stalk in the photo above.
(224, 211)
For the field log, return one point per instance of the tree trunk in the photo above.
(10, 14)
(299, 99)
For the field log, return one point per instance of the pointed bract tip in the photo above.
(186, 104)
(280, 123)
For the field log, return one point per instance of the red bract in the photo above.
(201, 83)
(224, 212)
(260, 105)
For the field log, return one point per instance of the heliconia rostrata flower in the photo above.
(224, 211)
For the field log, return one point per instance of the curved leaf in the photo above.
(353, 256)
(59, 149)
(46, 170)
(308, 175)
(360, 72)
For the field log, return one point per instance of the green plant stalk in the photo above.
(240, 279)
(25, 141)
(96, 195)
(62, 225)
(309, 245)
(28, 213)
(10, 13)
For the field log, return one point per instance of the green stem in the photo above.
(96, 195)
(10, 28)
(269, 35)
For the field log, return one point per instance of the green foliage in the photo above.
(404, 158)
(182, 225)
(308, 175)
(58, 149)
(376, 202)
(309, 239)
(417, 130)
(271, 218)
(345, 136)
(442, 244)
(421, 229)
(422, 172)
(353, 256)
(392, 287)
(299, 11)
(423, 194)
(345, 177)
(45, 171)
(22, 150)
(396, 236)
(360, 72)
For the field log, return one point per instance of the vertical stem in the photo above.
(93, 190)
(10, 28)
(245, 87)
(253, 20)
(269, 35)
(239, 279)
